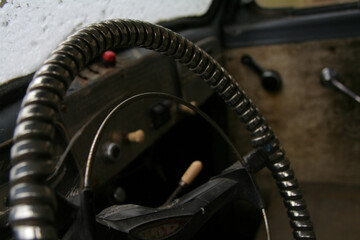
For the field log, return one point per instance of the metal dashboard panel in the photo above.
(100, 89)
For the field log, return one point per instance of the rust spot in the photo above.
(63, 107)
(332, 49)
(122, 74)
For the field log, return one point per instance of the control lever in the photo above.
(329, 78)
(191, 173)
(183, 218)
(270, 79)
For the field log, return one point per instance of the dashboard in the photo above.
(133, 136)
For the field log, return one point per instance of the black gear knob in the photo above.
(270, 79)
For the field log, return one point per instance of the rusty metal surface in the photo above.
(319, 128)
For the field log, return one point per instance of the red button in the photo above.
(109, 57)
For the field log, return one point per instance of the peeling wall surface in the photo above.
(31, 29)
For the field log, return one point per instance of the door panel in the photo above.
(317, 126)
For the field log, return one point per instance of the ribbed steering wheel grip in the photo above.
(32, 215)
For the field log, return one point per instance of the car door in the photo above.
(318, 125)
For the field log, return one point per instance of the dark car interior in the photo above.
(96, 144)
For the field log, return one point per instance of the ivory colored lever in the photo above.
(187, 110)
(191, 173)
(137, 136)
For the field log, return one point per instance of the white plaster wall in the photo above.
(31, 29)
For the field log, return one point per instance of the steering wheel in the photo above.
(34, 202)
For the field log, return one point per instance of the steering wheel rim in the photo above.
(33, 202)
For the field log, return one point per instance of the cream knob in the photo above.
(137, 136)
(187, 110)
(192, 172)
